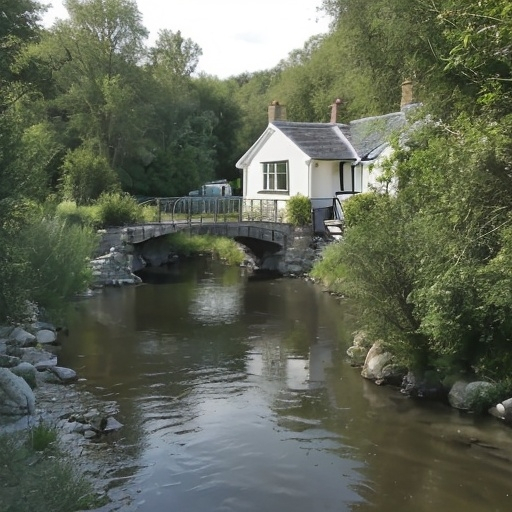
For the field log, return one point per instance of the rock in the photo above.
(16, 397)
(463, 394)
(5, 331)
(357, 355)
(37, 356)
(504, 410)
(46, 337)
(427, 385)
(38, 326)
(22, 337)
(9, 361)
(375, 361)
(27, 372)
(90, 434)
(112, 425)
(65, 375)
(41, 366)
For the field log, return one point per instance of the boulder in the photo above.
(46, 337)
(463, 394)
(22, 338)
(16, 397)
(27, 372)
(65, 375)
(375, 361)
(8, 361)
(357, 355)
(37, 356)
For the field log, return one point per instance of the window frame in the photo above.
(270, 173)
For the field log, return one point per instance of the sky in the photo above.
(236, 36)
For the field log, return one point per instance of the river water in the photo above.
(235, 396)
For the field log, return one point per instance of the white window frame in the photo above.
(271, 172)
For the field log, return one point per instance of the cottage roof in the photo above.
(361, 139)
(321, 141)
(370, 134)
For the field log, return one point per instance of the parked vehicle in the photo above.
(219, 188)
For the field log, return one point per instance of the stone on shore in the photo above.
(16, 397)
(46, 337)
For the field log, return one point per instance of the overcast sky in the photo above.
(235, 35)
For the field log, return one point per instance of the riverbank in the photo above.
(38, 396)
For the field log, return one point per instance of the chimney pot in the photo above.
(334, 111)
(407, 97)
(276, 112)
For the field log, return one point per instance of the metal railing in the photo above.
(194, 209)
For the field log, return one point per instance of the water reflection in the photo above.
(234, 397)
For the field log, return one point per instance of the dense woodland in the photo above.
(87, 108)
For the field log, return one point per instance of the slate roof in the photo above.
(360, 139)
(321, 141)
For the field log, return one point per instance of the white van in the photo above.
(219, 188)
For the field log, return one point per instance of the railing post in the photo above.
(275, 210)
(159, 210)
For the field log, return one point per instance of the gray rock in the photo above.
(27, 372)
(16, 397)
(463, 394)
(38, 326)
(65, 375)
(5, 331)
(35, 356)
(22, 337)
(46, 337)
(9, 361)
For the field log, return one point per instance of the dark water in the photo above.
(235, 397)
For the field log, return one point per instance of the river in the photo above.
(235, 396)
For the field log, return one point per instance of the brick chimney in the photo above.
(334, 111)
(276, 112)
(407, 97)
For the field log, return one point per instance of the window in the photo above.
(275, 176)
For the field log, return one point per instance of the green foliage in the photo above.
(30, 475)
(118, 210)
(87, 176)
(357, 207)
(42, 437)
(330, 270)
(298, 210)
(221, 248)
(52, 262)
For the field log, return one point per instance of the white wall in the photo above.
(277, 148)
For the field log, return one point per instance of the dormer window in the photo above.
(275, 176)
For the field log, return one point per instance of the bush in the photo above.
(56, 257)
(298, 210)
(87, 176)
(117, 209)
(357, 207)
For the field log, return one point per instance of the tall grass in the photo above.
(222, 248)
(40, 481)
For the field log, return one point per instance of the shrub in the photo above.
(357, 207)
(298, 210)
(42, 436)
(117, 209)
(87, 176)
(56, 255)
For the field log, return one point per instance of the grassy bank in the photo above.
(35, 476)
(224, 249)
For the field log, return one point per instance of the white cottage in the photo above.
(322, 161)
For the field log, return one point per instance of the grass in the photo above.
(222, 248)
(36, 477)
